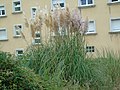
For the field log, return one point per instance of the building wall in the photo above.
(18, 18)
(100, 13)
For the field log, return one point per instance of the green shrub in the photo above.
(15, 77)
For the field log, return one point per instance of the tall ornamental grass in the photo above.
(62, 62)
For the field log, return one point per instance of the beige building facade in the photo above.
(103, 27)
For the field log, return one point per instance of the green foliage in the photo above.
(60, 65)
(65, 61)
(15, 77)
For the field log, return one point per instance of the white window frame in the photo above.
(19, 49)
(13, 7)
(110, 1)
(1, 29)
(37, 38)
(111, 28)
(1, 11)
(60, 31)
(14, 30)
(57, 1)
(90, 49)
(32, 16)
(80, 4)
(89, 31)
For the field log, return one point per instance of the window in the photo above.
(62, 31)
(91, 27)
(3, 34)
(2, 11)
(55, 4)
(115, 0)
(37, 39)
(115, 25)
(86, 2)
(17, 6)
(19, 52)
(90, 49)
(33, 12)
(17, 30)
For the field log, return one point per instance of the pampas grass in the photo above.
(58, 22)
(62, 63)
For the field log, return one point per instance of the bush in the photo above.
(15, 77)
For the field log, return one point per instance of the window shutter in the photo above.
(3, 34)
(91, 26)
(115, 24)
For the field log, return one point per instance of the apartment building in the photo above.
(103, 27)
